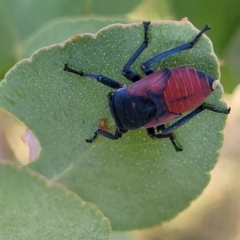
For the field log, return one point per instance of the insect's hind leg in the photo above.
(147, 66)
(192, 114)
(127, 72)
(152, 134)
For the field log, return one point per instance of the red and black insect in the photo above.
(159, 97)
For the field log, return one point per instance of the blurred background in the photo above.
(24, 25)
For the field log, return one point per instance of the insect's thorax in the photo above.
(131, 111)
(186, 89)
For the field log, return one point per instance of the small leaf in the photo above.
(33, 208)
(135, 181)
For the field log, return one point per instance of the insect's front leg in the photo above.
(100, 78)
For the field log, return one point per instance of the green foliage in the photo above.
(120, 177)
(110, 7)
(135, 182)
(25, 24)
(7, 41)
(34, 208)
(59, 30)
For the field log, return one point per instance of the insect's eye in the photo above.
(110, 96)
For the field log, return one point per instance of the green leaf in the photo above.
(59, 30)
(34, 208)
(135, 181)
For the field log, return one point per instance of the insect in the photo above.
(158, 98)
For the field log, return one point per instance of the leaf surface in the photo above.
(34, 208)
(58, 31)
(135, 181)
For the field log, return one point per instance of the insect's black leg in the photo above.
(185, 119)
(167, 132)
(127, 72)
(147, 66)
(118, 134)
(102, 79)
(151, 133)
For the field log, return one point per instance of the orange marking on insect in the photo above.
(103, 124)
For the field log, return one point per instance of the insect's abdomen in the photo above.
(186, 89)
